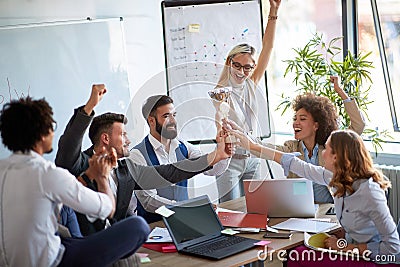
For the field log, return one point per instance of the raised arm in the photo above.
(267, 42)
(69, 155)
(357, 120)
(164, 175)
(288, 161)
(149, 199)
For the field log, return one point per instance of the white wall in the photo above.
(143, 35)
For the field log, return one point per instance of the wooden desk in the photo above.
(249, 256)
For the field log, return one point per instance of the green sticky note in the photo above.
(299, 188)
(145, 260)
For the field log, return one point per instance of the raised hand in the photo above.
(275, 4)
(98, 91)
(338, 89)
(228, 125)
(243, 140)
(223, 150)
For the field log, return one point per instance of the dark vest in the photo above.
(126, 184)
(177, 192)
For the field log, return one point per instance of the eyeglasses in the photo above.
(238, 66)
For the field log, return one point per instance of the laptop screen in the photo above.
(280, 197)
(194, 221)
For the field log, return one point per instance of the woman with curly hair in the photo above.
(359, 198)
(315, 117)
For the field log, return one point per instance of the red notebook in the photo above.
(243, 220)
(161, 247)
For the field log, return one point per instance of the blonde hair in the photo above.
(353, 162)
(236, 50)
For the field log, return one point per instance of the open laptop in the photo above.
(280, 197)
(196, 230)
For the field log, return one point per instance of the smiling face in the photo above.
(241, 67)
(163, 124)
(304, 126)
(119, 140)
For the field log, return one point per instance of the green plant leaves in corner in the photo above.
(312, 67)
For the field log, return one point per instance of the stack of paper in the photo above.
(305, 225)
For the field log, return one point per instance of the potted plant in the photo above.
(312, 67)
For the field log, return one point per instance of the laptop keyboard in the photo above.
(218, 244)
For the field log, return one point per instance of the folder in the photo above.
(161, 247)
(243, 220)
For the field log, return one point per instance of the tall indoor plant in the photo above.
(312, 66)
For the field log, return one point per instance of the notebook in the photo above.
(280, 197)
(243, 220)
(196, 230)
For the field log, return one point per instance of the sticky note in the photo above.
(262, 243)
(194, 27)
(299, 188)
(229, 232)
(163, 211)
(170, 248)
(145, 260)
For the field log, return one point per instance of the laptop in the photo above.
(280, 197)
(196, 230)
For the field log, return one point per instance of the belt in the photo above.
(240, 156)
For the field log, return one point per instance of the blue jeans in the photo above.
(104, 248)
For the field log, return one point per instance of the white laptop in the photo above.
(280, 197)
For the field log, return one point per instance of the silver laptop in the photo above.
(196, 230)
(280, 197)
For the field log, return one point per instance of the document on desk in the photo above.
(305, 225)
(159, 235)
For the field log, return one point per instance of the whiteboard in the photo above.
(60, 62)
(197, 39)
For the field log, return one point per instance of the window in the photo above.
(298, 21)
(388, 14)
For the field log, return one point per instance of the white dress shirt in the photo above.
(149, 198)
(32, 192)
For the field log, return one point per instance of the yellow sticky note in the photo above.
(194, 27)
(165, 212)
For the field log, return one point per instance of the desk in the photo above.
(159, 259)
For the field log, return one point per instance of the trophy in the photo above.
(222, 95)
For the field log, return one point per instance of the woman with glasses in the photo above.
(242, 72)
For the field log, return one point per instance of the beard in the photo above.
(165, 132)
(48, 151)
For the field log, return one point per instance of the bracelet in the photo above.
(272, 17)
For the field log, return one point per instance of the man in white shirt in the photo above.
(33, 191)
(162, 146)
